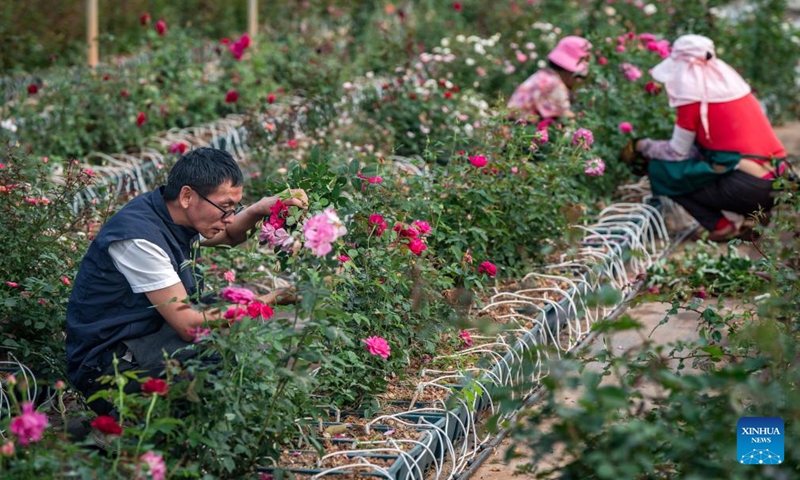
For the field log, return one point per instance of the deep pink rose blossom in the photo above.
(378, 346)
(161, 27)
(241, 296)
(478, 160)
(28, 427)
(625, 127)
(377, 224)
(488, 268)
(417, 246)
(422, 227)
(466, 337)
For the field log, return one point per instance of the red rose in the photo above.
(377, 224)
(244, 41)
(448, 94)
(258, 309)
(144, 19)
(278, 212)
(652, 88)
(33, 89)
(457, 6)
(125, 93)
(107, 425)
(271, 98)
(140, 119)
(161, 27)
(157, 386)
(232, 96)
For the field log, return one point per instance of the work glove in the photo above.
(633, 159)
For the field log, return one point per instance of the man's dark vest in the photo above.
(103, 310)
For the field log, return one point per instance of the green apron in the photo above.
(675, 178)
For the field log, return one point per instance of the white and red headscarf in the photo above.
(693, 73)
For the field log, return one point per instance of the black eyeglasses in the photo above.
(225, 213)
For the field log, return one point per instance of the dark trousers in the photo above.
(145, 356)
(736, 192)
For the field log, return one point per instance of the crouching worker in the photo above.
(135, 287)
(546, 94)
(723, 155)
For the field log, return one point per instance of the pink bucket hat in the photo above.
(572, 54)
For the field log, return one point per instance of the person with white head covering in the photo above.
(723, 156)
(545, 94)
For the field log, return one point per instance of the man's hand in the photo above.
(294, 198)
(290, 197)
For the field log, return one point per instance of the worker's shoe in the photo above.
(724, 234)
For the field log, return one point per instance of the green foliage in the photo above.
(670, 410)
(43, 239)
(707, 268)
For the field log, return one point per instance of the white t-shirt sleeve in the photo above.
(145, 265)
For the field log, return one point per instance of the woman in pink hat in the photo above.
(723, 157)
(545, 94)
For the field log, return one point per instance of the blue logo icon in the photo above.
(759, 440)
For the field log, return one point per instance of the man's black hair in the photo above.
(203, 169)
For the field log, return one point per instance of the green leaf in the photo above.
(713, 350)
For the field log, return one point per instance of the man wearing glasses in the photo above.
(134, 290)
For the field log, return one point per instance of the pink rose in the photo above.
(595, 167)
(466, 337)
(541, 137)
(28, 427)
(625, 127)
(631, 71)
(230, 276)
(199, 333)
(322, 230)
(583, 138)
(423, 227)
(155, 465)
(478, 160)
(378, 346)
(7, 450)
(241, 296)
